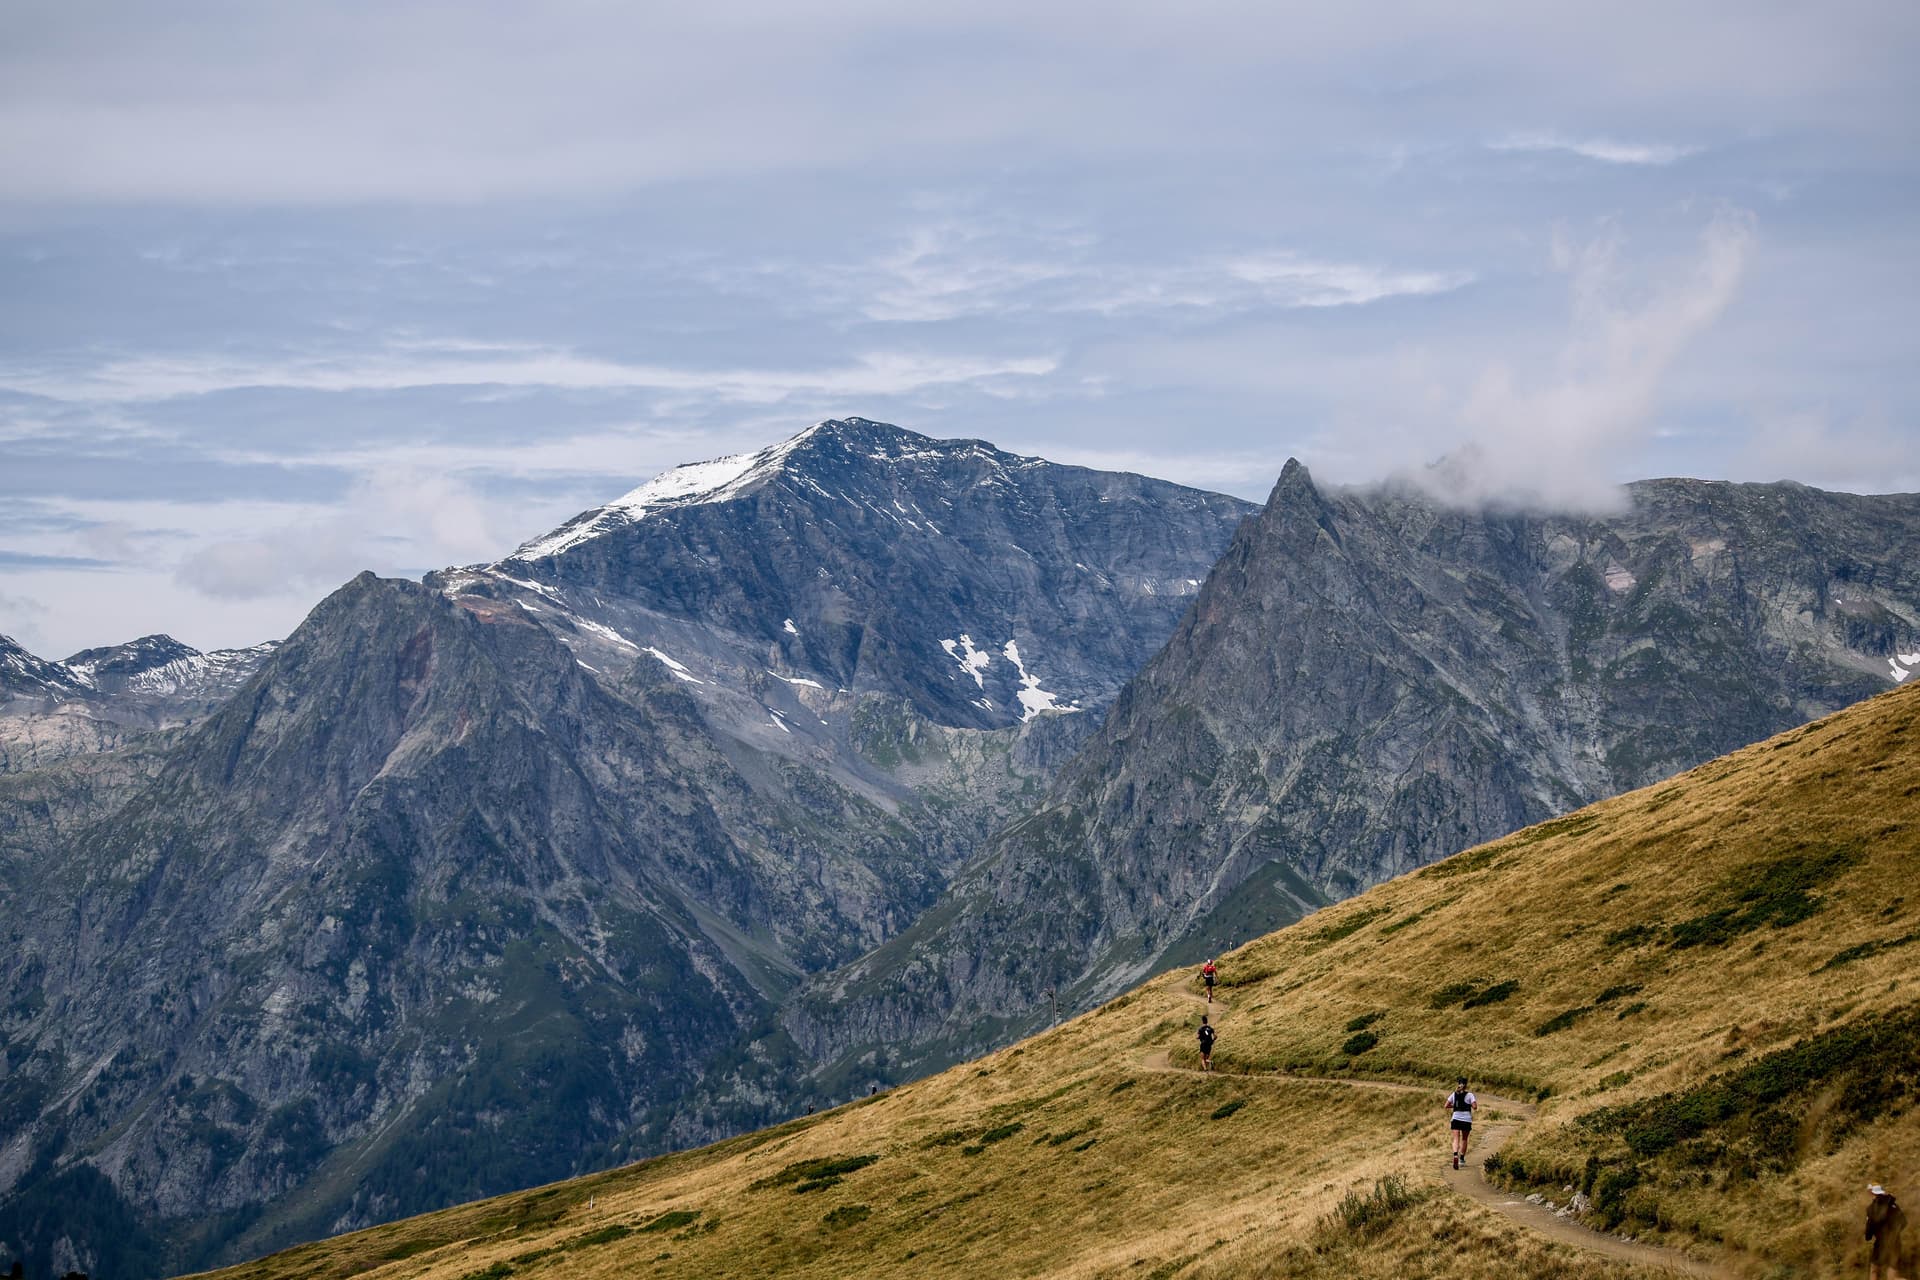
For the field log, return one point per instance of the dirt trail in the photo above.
(1470, 1180)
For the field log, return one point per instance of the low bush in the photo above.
(1365, 1214)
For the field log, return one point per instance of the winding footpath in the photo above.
(1471, 1180)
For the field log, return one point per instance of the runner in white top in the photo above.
(1461, 1105)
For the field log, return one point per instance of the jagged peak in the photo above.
(1294, 491)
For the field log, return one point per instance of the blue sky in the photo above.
(291, 291)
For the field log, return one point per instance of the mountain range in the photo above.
(470, 880)
(796, 773)
(1369, 681)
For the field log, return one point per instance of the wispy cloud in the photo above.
(1555, 438)
(1247, 472)
(958, 267)
(1608, 150)
(415, 365)
(412, 516)
(20, 620)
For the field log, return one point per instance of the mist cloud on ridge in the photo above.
(1551, 440)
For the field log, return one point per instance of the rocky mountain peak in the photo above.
(24, 676)
(131, 658)
(828, 457)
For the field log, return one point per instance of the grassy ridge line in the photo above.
(1573, 917)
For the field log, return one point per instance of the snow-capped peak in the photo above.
(689, 484)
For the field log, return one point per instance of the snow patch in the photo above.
(689, 485)
(608, 633)
(674, 667)
(789, 628)
(972, 661)
(1903, 665)
(1033, 699)
(811, 684)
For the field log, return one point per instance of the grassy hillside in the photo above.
(1705, 985)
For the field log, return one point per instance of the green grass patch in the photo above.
(1561, 1021)
(670, 1220)
(1461, 864)
(1356, 1045)
(1634, 935)
(1867, 1066)
(1001, 1133)
(1866, 949)
(1492, 995)
(1618, 992)
(1779, 893)
(1366, 1020)
(1354, 922)
(847, 1215)
(1452, 993)
(1407, 922)
(813, 1175)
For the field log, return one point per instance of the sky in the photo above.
(292, 291)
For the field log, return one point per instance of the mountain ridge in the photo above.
(1366, 680)
(473, 876)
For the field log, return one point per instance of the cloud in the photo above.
(199, 100)
(31, 560)
(395, 519)
(958, 267)
(21, 619)
(1249, 473)
(1859, 455)
(1557, 438)
(420, 365)
(1607, 150)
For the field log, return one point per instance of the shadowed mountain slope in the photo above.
(472, 880)
(1706, 985)
(1366, 683)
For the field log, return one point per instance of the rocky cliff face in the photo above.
(471, 881)
(1368, 682)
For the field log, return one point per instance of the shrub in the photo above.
(813, 1175)
(1366, 1020)
(1492, 995)
(1226, 1109)
(847, 1215)
(1367, 1214)
(1359, 1044)
(1561, 1021)
(1777, 893)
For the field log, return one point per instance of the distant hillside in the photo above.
(1367, 682)
(1706, 985)
(109, 697)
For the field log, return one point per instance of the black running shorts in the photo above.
(1463, 1126)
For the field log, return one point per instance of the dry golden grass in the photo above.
(1118, 1170)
